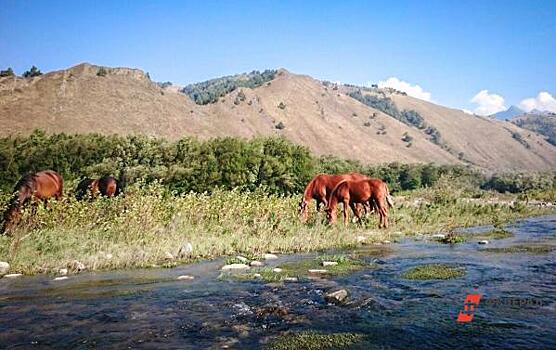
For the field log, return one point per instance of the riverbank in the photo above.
(151, 227)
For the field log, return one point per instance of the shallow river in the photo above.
(149, 309)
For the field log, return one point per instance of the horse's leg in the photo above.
(356, 212)
(319, 202)
(346, 213)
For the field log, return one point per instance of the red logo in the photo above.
(471, 301)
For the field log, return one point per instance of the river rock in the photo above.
(235, 267)
(439, 235)
(63, 272)
(76, 266)
(61, 278)
(277, 270)
(242, 259)
(185, 277)
(483, 242)
(185, 250)
(290, 279)
(336, 297)
(4, 268)
(317, 271)
(256, 263)
(257, 275)
(329, 263)
(13, 275)
(270, 256)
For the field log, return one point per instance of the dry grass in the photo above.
(149, 226)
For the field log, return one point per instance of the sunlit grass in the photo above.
(148, 226)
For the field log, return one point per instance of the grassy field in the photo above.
(149, 225)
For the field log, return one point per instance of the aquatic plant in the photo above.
(434, 272)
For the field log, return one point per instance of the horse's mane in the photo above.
(309, 188)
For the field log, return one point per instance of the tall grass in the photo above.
(149, 225)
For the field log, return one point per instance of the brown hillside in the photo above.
(326, 120)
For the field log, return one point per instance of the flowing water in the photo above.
(149, 309)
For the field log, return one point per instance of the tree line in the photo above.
(189, 164)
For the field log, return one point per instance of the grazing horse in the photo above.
(320, 187)
(42, 186)
(106, 186)
(372, 191)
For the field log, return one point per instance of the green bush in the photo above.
(33, 72)
(211, 90)
(7, 73)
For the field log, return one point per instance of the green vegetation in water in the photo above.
(315, 341)
(451, 238)
(521, 248)
(434, 272)
(497, 233)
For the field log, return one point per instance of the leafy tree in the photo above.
(33, 72)
(7, 73)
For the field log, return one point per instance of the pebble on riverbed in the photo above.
(4, 268)
(270, 257)
(329, 263)
(336, 297)
(235, 267)
(242, 259)
(13, 275)
(277, 270)
(317, 271)
(185, 277)
(256, 263)
(61, 278)
(483, 242)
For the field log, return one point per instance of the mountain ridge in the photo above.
(317, 114)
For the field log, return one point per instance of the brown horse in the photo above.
(372, 191)
(106, 186)
(320, 187)
(42, 186)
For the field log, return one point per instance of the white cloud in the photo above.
(411, 90)
(543, 102)
(488, 103)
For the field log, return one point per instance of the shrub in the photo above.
(282, 105)
(280, 126)
(211, 90)
(102, 72)
(7, 73)
(33, 72)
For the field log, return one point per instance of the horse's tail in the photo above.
(389, 198)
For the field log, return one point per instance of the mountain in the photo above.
(368, 124)
(508, 113)
(543, 123)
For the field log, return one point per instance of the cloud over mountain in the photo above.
(412, 90)
(488, 103)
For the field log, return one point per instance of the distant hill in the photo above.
(543, 123)
(508, 113)
(368, 124)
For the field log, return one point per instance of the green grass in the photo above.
(315, 341)
(434, 272)
(521, 248)
(149, 225)
(451, 238)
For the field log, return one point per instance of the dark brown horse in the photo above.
(372, 191)
(320, 187)
(41, 186)
(106, 186)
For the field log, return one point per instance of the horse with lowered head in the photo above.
(106, 186)
(41, 185)
(320, 187)
(371, 191)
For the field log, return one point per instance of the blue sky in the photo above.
(451, 49)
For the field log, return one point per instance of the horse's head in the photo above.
(11, 218)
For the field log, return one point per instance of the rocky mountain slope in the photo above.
(323, 116)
